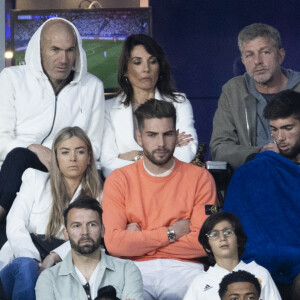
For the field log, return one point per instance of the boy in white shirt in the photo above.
(223, 239)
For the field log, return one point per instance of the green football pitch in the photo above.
(102, 58)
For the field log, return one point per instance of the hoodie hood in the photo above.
(33, 54)
(293, 78)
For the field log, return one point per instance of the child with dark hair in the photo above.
(223, 240)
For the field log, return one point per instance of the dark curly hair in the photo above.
(283, 105)
(238, 276)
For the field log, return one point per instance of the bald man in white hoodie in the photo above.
(52, 91)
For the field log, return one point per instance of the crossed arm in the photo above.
(126, 239)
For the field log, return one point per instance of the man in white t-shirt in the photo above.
(223, 239)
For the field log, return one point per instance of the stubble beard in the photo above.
(152, 159)
(263, 79)
(86, 249)
(293, 152)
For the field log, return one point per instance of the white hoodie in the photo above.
(28, 101)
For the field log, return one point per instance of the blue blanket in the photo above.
(265, 195)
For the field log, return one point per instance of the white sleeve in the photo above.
(7, 116)
(110, 152)
(96, 124)
(63, 250)
(185, 122)
(269, 289)
(18, 218)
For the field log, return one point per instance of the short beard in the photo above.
(151, 157)
(293, 152)
(264, 81)
(86, 249)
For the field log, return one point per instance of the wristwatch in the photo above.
(139, 156)
(171, 235)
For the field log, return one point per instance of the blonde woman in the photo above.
(38, 208)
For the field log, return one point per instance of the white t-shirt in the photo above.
(206, 285)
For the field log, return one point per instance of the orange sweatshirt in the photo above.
(131, 195)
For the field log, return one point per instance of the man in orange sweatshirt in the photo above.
(153, 209)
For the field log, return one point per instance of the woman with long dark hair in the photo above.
(144, 73)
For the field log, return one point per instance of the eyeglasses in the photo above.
(214, 234)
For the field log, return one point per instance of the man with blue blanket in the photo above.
(265, 195)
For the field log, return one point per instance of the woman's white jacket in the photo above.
(119, 138)
(29, 213)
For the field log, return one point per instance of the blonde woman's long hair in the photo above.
(90, 183)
